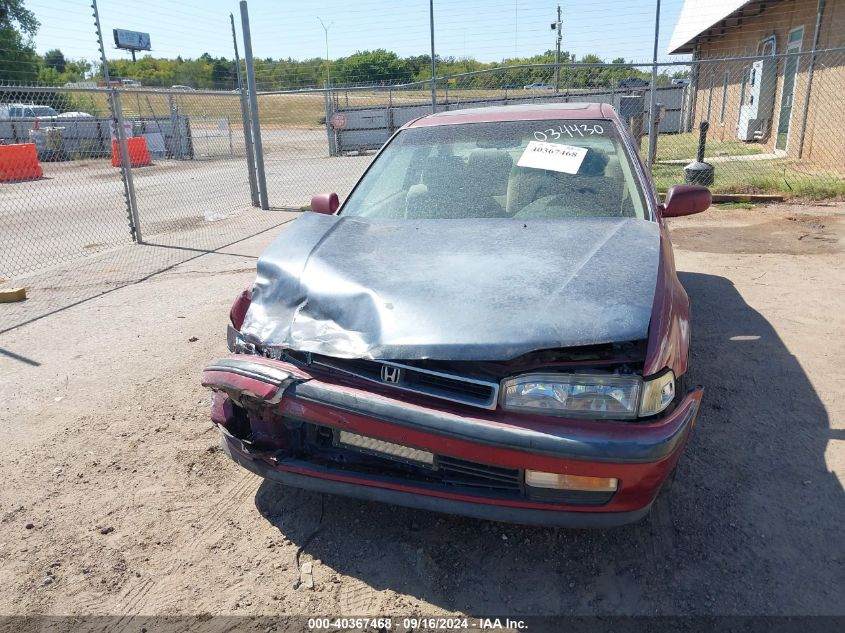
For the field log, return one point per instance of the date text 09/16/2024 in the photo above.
(414, 623)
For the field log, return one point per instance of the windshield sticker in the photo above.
(552, 156)
(572, 130)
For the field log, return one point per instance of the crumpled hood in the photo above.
(476, 289)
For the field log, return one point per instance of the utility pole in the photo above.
(557, 26)
(328, 64)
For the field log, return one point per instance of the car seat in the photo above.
(452, 188)
(594, 190)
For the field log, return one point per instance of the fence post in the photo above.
(175, 131)
(253, 103)
(250, 158)
(653, 132)
(433, 58)
(653, 92)
(117, 121)
(126, 167)
(229, 129)
(329, 114)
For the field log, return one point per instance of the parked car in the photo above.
(131, 83)
(181, 87)
(680, 81)
(25, 111)
(633, 83)
(75, 115)
(538, 86)
(490, 325)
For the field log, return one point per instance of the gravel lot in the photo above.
(117, 500)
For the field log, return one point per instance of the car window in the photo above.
(515, 169)
(42, 111)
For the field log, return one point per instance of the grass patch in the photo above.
(781, 176)
(734, 205)
(684, 146)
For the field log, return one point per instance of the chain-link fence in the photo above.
(771, 130)
(64, 200)
(68, 208)
(186, 176)
(774, 126)
(190, 184)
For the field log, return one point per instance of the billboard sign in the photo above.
(131, 40)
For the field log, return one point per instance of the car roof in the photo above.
(521, 112)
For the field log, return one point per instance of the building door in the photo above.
(790, 69)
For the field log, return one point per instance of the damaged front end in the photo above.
(434, 434)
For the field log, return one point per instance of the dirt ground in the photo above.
(116, 498)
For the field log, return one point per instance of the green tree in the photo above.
(18, 62)
(378, 66)
(55, 59)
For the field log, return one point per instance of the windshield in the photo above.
(43, 111)
(514, 169)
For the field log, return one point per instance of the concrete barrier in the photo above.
(19, 162)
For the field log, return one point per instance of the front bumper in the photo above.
(640, 455)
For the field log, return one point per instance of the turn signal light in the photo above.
(557, 481)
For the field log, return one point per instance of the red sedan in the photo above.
(489, 325)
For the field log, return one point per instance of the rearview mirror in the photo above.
(686, 200)
(325, 203)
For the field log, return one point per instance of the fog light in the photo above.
(540, 479)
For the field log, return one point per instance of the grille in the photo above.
(461, 473)
(470, 391)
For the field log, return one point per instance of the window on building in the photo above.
(767, 46)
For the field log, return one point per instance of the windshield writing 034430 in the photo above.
(569, 130)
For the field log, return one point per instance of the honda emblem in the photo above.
(390, 374)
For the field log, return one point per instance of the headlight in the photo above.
(595, 396)
(657, 393)
(574, 395)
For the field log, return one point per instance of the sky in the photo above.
(488, 30)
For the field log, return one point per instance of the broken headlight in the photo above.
(598, 396)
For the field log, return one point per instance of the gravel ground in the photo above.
(117, 499)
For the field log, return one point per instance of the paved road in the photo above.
(78, 208)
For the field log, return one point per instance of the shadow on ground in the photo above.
(751, 526)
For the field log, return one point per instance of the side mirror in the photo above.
(686, 200)
(325, 203)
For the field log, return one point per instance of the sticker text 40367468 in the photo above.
(571, 130)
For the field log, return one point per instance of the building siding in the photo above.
(826, 113)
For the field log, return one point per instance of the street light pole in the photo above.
(328, 64)
(558, 26)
